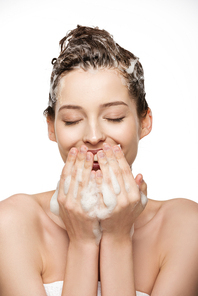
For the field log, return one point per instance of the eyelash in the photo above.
(116, 119)
(110, 119)
(71, 122)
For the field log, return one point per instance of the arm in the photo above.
(116, 258)
(116, 267)
(81, 274)
(20, 259)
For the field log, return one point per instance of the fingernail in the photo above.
(73, 151)
(92, 175)
(83, 149)
(88, 157)
(106, 146)
(98, 174)
(101, 154)
(116, 149)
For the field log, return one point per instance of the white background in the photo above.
(163, 34)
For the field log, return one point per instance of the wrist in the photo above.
(84, 246)
(116, 241)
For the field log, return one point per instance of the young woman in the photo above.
(118, 245)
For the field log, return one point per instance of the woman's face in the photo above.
(94, 107)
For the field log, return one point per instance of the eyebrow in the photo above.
(116, 103)
(70, 107)
(76, 107)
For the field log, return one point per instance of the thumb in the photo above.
(141, 183)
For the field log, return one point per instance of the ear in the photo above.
(51, 129)
(146, 124)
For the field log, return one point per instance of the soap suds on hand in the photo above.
(67, 184)
(144, 199)
(115, 184)
(91, 199)
(78, 179)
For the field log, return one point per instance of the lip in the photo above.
(96, 166)
(95, 151)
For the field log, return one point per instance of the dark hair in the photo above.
(87, 47)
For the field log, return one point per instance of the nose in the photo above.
(94, 134)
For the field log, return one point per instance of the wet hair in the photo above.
(92, 48)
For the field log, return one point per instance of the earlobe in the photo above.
(146, 124)
(51, 130)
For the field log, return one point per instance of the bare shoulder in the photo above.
(20, 221)
(178, 241)
(179, 224)
(179, 212)
(20, 245)
(18, 208)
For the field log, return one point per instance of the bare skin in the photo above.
(151, 249)
(38, 247)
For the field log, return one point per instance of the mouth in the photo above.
(95, 163)
(95, 166)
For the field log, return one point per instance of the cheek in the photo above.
(128, 137)
(130, 147)
(67, 138)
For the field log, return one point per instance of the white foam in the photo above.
(54, 206)
(97, 232)
(78, 179)
(144, 199)
(127, 185)
(89, 199)
(130, 69)
(67, 184)
(115, 184)
(109, 197)
(90, 202)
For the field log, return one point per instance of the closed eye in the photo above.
(109, 119)
(116, 119)
(71, 122)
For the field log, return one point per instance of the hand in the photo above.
(78, 223)
(129, 206)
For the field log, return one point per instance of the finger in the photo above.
(77, 172)
(88, 164)
(138, 179)
(67, 169)
(86, 172)
(99, 178)
(88, 197)
(129, 181)
(114, 169)
(102, 211)
(99, 181)
(110, 185)
(104, 167)
(141, 183)
(143, 190)
(80, 160)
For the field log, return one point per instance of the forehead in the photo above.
(92, 86)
